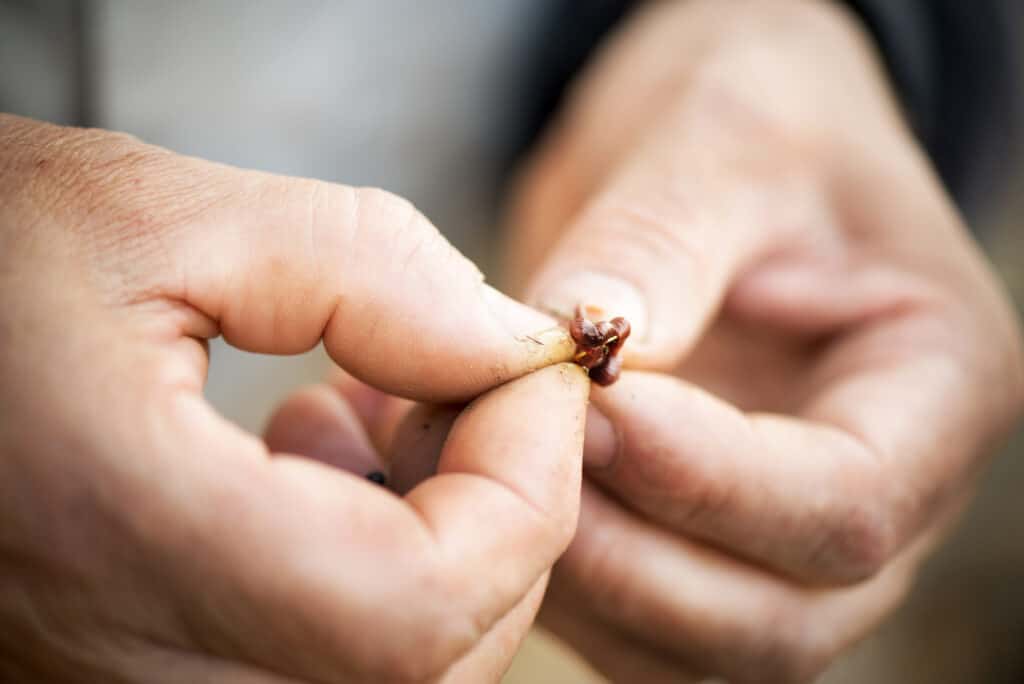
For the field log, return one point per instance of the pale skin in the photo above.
(820, 363)
(146, 539)
(827, 359)
(821, 360)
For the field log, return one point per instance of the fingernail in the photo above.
(600, 441)
(603, 296)
(542, 339)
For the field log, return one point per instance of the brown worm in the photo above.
(598, 345)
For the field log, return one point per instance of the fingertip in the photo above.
(527, 433)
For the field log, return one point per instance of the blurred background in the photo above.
(351, 92)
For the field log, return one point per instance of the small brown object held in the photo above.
(598, 345)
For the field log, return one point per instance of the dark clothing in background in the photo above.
(956, 66)
(954, 63)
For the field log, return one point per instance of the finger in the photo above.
(617, 656)
(595, 130)
(491, 658)
(379, 412)
(279, 263)
(665, 236)
(504, 489)
(292, 551)
(828, 496)
(418, 442)
(768, 488)
(802, 497)
(317, 423)
(717, 614)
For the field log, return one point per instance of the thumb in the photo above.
(663, 238)
(281, 263)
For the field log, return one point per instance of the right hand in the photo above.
(145, 539)
(821, 360)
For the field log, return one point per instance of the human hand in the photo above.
(145, 539)
(821, 357)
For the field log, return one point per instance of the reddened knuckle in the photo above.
(859, 543)
(688, 487)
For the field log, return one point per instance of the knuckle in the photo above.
(858, 542)
(413, 241)
(683, 491)
(655, 226)
(659, 234)
(562, 528)
(379, 209)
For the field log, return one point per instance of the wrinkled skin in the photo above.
(145, 539)
(820, 363)
(821, 359)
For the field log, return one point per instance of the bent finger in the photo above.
(716, 613)
(317, 423)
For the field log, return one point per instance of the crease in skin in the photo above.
(547, 347)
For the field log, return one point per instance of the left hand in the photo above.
(826, 358)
